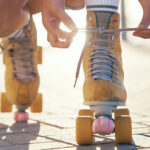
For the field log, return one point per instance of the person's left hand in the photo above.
(143, 30)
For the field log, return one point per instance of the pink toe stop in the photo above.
(21, 116)
(103, 126)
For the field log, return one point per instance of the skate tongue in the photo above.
(102, 22)
(102, 60)
(103, 19)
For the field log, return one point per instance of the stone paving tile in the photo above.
(49, 146)
(4, 143)
(37, 146)
(142, 141)
(57, 121)
(110, 146)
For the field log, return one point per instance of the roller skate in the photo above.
(21, 56)
(103, 88)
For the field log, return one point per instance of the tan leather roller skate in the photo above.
(103, 87)
(21, 56)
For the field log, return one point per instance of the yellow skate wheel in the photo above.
(119, 112)
(85, 112)
(37, 106)
(39, 55)
(123, 130)
(84, 130)
(6, 106)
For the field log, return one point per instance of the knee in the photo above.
(12, 17)
(34, 6)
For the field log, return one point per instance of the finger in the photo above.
(144, 34)
(141, 31)
(145, 22)
(62, 44)
(52, 26)
(55, 42)
(62, 15)
(143, 27)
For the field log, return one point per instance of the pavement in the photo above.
(54, 128)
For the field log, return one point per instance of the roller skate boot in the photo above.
(21, 56)
(103, 88)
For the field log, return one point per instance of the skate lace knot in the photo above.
(21, 53)
(102, 63)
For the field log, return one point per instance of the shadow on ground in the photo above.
(109, 144)
(19, 134)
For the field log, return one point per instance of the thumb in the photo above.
(145, 22)
(66, 20)
(23, 3)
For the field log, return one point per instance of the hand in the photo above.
(145, 22)
(53, 14)
(75, 4)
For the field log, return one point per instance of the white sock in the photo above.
(20, 32)
(17, 34)
(102, 5)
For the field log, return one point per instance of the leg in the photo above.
(13, 16)
(103, 88)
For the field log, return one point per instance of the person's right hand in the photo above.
(53, 13)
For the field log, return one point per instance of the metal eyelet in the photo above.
(115, 22)
(90, 44)
(113, 37)
(112, 46)
(90, 19)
